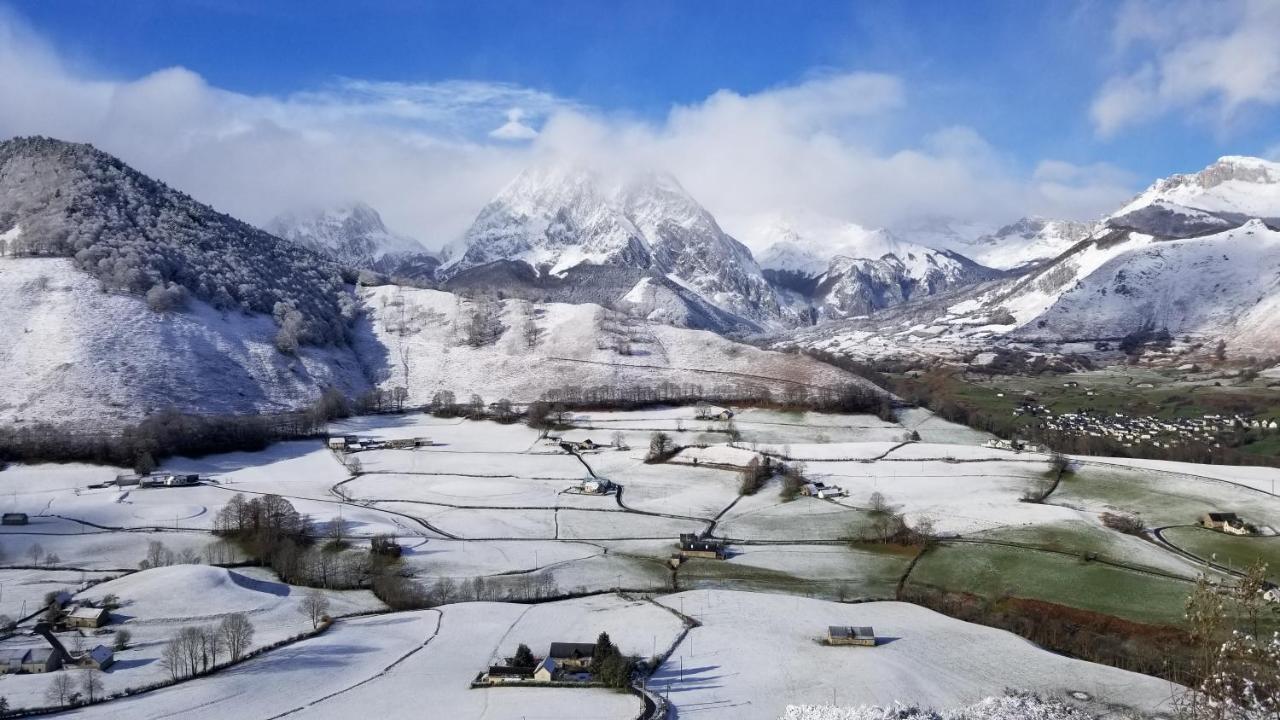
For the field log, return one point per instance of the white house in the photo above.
(546, 671)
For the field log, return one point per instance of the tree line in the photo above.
(168, 433)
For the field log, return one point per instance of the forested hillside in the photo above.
(137, 235)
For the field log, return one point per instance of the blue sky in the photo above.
(1109, 94)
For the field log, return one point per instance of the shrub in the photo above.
(1123, 522)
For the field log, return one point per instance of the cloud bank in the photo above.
(1210, 60)
(429, 155)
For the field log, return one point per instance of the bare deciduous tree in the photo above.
(60, 689)
(315, 606)
(91, 684)
(237, 634)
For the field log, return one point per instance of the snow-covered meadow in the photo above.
(494, 503)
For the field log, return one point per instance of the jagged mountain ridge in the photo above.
(1026, 242)
(1196, 254)
(355, 236)
(844, 270)
(559, 216)
(1224, 195)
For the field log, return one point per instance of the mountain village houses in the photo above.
(54, 655)
(1132, 431)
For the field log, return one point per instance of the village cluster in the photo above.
(1131, 431)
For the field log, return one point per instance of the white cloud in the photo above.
(1207, 59)
(514, 128)
(816, 148)
(428, 155)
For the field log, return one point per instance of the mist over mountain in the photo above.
(558, 217)
(355, 236)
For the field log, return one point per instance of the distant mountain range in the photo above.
(355, 236)
(122, 296)
(673, 262)
(559, 217)
(1196, 255)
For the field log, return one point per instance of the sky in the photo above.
(880, 113)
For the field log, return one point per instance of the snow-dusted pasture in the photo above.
(155, 604)
(1163, 498)
(381, 666)
(22, 591)
(494, 502)
(725, 670)
(422, 332)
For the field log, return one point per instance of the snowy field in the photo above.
(498, 503)
(381, 666)
(155, 604)
(720, 671)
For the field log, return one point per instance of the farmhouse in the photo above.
(99, 658)
(14, 518)
(571, 655)
(1229, 523)
(29, 660)
(84, 616)
(571, 446)
(692, 546)
(851, 635)
(546, 670)
(337, 443)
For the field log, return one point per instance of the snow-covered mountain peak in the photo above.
(557, 216)
(1027, 241)
(352, 232)
(1234, 185)
(807, 246)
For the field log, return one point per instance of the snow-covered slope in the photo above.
(1026, 242)
(137, 235)
(1195, 254)
(556, 217)
(530, 348)
(1222, 285)
(355, 235)
(1234, 185)
(70, 353)
(842, 269)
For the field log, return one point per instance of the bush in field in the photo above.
(661, 448)
(1124, 522)
(753, 477)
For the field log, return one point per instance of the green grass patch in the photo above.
(1161, 498)
(868, 575)
(1233, 551)
(996, 571)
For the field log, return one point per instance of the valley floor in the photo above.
(490, 512)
